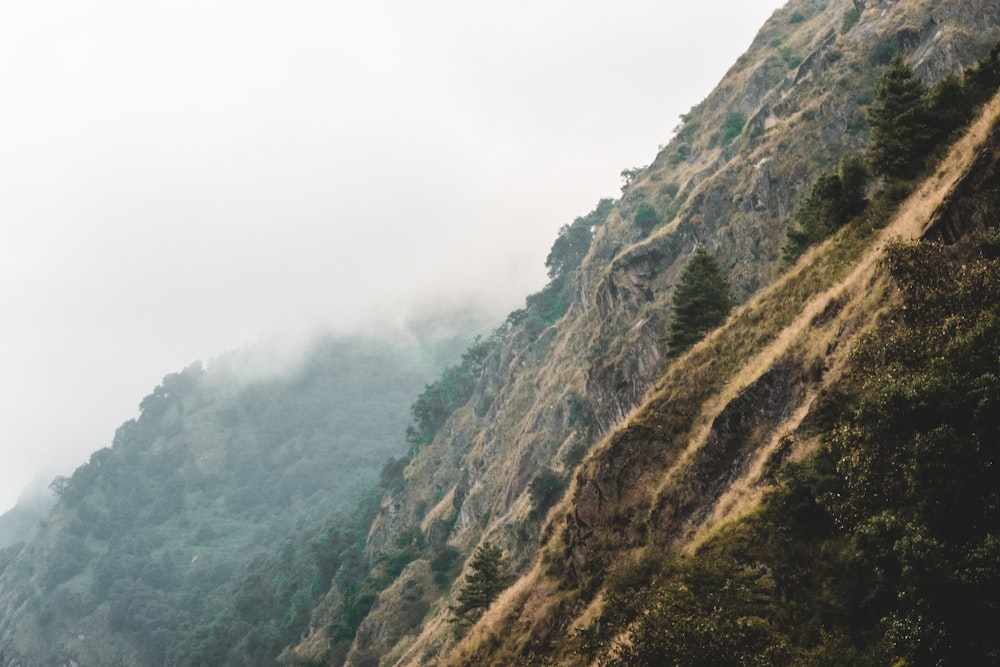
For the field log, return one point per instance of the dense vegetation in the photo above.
(911, 125)
(432, 409)
(217, 520)
(884, 548)
(567, 253)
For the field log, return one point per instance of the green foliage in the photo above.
(489, 577)
(910, 127)
(791, 59)
(732, 126)
(629, 175)
(545, 490)
(851, 17)
(915, 447)
(391, 477)
(443, 563)
(545, 307)
(703, 613)
(884, 52)
(900, 122)
(885, 548)
(221, 516)
(573, 242)
(680, 154)
(451, 391)
(646, 218)
(702, 300)
(833, 200)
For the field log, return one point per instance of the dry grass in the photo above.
(910, 221)
(779, 322)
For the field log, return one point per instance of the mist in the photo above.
(181, 179)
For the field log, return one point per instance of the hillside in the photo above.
(676, 448)
(216, 519)
(751, 420)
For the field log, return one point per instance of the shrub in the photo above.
(545, 490)
(851, 16)
(732, 126)
(646, 218)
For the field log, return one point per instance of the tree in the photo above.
(573, 242)
(489, 577)
(832, 201)
(702, 300)
(900, 122)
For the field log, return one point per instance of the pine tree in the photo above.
(833, 200)
(900, 122)
(489, 577)
(702, 300)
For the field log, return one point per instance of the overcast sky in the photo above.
(178, 179)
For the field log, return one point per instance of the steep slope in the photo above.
(709, 443)
(209, 528)
(556, 380)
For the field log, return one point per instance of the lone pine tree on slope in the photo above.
(489, 577)
(702, 300)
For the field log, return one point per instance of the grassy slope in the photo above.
(657, 450)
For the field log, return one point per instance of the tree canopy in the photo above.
(702, 300)
(900, 122)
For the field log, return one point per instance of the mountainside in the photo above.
(214, 522)
(751, 420)
(565, 375)
(18, 523)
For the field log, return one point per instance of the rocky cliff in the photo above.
(675, 449)
(698, 506)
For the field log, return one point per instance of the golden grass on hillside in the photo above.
(813, 313)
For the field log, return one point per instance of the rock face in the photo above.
(962, 212)
(728, 180)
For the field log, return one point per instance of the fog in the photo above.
(178, 179)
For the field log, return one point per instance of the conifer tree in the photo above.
(489, 577)
(702, 300)
(901, 129)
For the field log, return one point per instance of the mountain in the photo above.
(600, 460)
(627, 471)
(216, 519)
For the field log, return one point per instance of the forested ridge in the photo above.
(219, 517)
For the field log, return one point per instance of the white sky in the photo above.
(180, 178)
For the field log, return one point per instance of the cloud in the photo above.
(180, 178)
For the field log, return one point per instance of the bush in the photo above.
(731, 127)
(833, 200)
(489, 577)
(545, 490)
(851, 16)
(646, 218)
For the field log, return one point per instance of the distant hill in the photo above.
(18, 523)
(218, 502)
